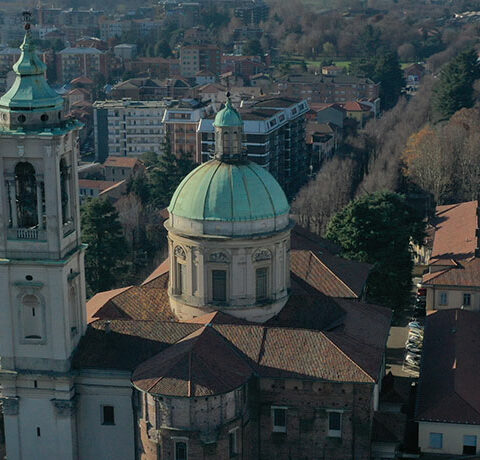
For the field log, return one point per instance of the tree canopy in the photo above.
(377, 228)
(102, 231)
(454, 89)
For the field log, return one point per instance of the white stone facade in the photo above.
(194, 260)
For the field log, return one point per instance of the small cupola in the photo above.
(30, 103)
(229, 134)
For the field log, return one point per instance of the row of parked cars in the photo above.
(413, 345)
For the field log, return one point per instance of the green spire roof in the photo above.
(228, 116)
(229, 192)
(30, 91)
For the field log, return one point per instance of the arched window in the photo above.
(226, 143)
(261, 283)
(31, 317)
(26, 195)
(64, 190)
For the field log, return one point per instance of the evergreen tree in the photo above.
(388, 72)
(167, 175)
(162, 49)
(253, 48)
(383, 68)
(102, 231)
(454, 89)
(377, 229)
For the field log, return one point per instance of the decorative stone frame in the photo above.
(31, 289)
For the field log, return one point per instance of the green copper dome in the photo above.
(231, 192)
(228, 116)
(30, 90)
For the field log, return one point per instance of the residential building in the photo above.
(154, 67)
(413, 74)
(125, 51)
(358, 111)
(322, 142)
(448, 406)
(151, 89)
(327, 89)
(453, 278)
(121, 168)
(328, 113)
(89, 188)
(194, 58)
(242, 66)
(128, 128)
(274, 138)
(221, 352)
(181, 121)
(252, 12)
(76, 62)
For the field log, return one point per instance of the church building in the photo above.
(250, 341)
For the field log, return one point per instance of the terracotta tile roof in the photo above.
(146, 302)
(354, 106)
(455, 233)
(201, 364)
(450, 369)
(329, 274)
(216, 317)
(127, 344)
(313, 337)
(158, 273)
(121, 162)
(465, 274)
(304, 239)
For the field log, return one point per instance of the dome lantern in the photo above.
(229, 134)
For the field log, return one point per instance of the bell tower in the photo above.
(42, 312)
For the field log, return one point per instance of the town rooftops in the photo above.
(455, 233)
(450, 370)
(355, 106)
(121, 162)
(92, 51)
(314, 337)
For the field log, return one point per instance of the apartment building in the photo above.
(128, 127)
(181, 123)
(274, 138)
(328, 88)
(76, 62)
(194, 58)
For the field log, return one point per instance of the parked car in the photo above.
(415, 325)
(412, 359)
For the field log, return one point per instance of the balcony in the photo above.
(31, 234)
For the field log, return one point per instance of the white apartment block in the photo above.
(128, 128)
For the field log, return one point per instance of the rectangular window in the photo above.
(443, 298)
(181, 278)
(219, 285)
(181, 450)
(469, 445)
(436, 440)
(335, 424)
(108, 415)
(279, 415)
(261, 283)
(467, 299)
(233, 442)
